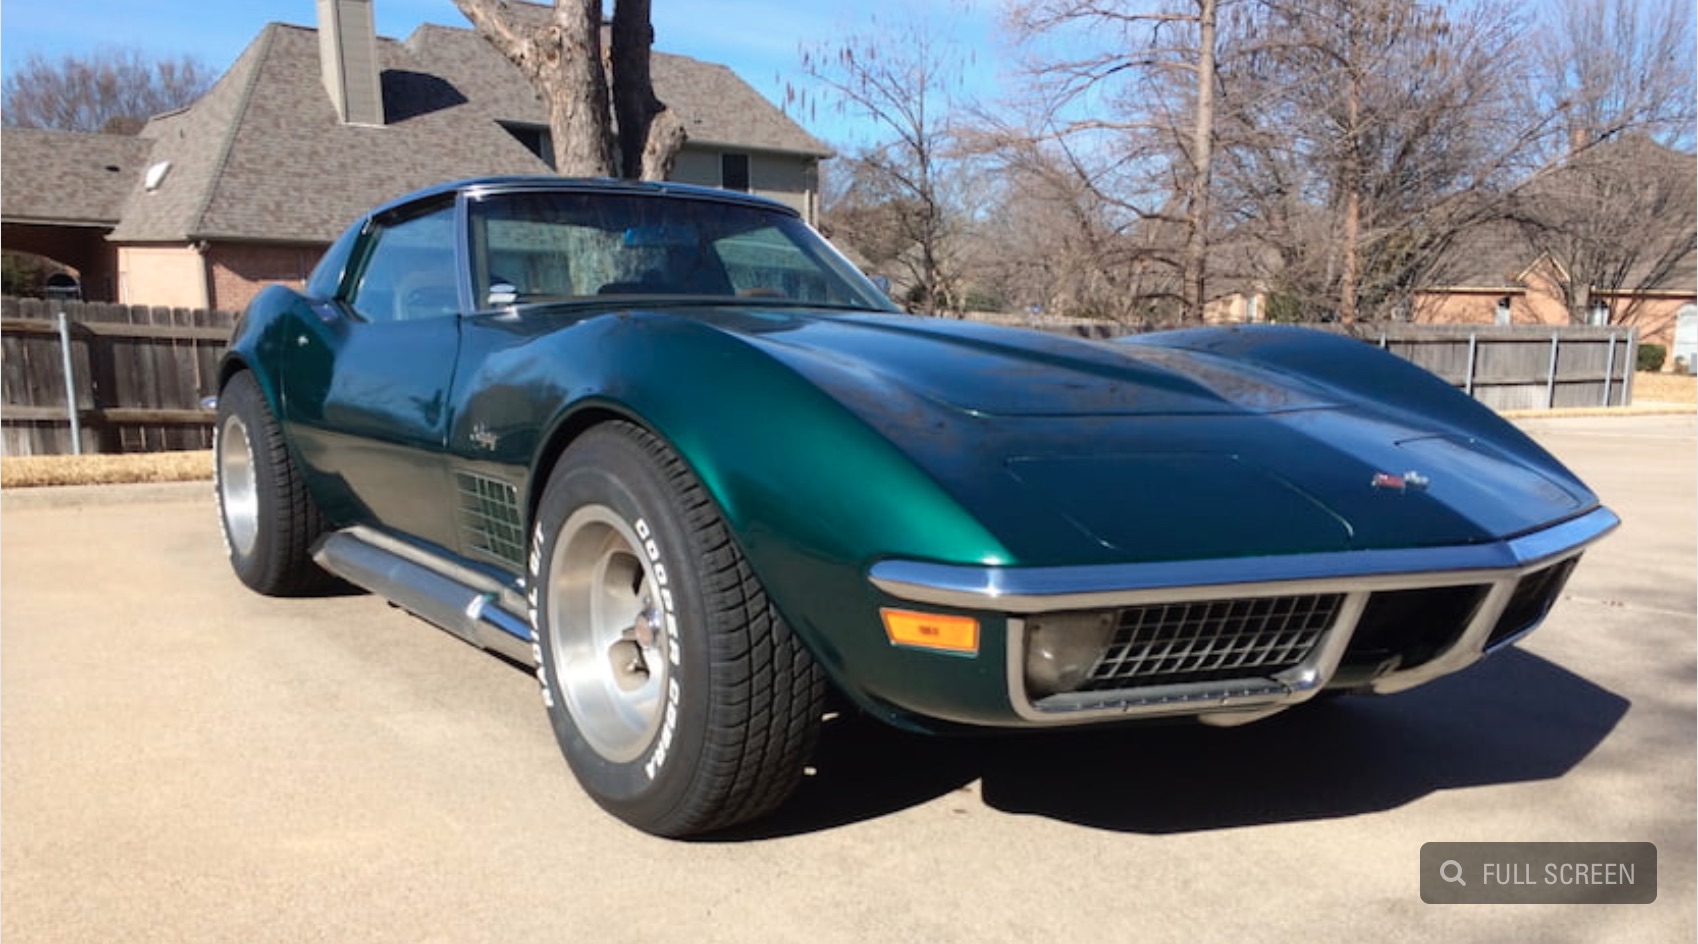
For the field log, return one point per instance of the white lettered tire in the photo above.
(682, 701)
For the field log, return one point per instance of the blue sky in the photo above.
(759, 39)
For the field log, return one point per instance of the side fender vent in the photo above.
(490, 523)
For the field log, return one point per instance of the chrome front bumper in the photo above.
(1497, 569)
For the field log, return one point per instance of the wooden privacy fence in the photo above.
(138, 376)
(1520, 368)
(1525, 367)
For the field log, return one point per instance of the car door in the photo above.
(367, 388)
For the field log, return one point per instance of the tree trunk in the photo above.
(649, 134)
(1353, 175)
(1202, 166)
(576, 90)
(565, 61)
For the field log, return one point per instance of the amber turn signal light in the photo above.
(957, 634)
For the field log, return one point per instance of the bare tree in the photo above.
(1055, 241)
(112, 89)
(564, 58)
(900, 79)
(1368, 135)
(1616, 67)
(1134, 84)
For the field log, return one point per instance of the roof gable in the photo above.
(193, 141)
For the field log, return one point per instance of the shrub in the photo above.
(20, 275)
(1651, 356)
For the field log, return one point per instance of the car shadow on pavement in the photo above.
(1512, 718)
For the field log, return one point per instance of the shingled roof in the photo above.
(263, 156)
(69, 179)
(1602, 179)
(717, 107)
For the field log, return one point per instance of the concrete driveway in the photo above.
(183, 760)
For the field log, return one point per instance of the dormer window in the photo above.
(535, 138)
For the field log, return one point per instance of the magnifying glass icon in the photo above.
(1451, 871)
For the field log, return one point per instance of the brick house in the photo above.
(308, 128)
(1606, 237)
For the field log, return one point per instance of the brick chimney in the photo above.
(347, 51)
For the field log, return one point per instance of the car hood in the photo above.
(1079, 452)
(986, 370)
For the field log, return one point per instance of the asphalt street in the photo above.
(182, 760)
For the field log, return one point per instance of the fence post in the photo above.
(1473, 347)
(1609, 370)
(70, 385)
(1550, 377)
(1629, 362)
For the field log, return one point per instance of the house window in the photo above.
(1599, 315)
(535, 138)
(734, 172)
(1501, 315)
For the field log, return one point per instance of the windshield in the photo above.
(553, 246)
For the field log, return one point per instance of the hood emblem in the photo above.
(484, 437)
(1408, 481)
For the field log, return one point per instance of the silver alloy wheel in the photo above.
(238, 490)
(606, 633)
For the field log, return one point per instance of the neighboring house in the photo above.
(63, 193)
(1606, 238)
(310, 127)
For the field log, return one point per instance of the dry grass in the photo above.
(29, 471)
(1665, 388)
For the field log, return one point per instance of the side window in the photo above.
(409, 273)
(326, 277)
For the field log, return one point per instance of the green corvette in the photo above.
(667, 446)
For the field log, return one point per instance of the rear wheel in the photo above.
(681, 700)
(269, 521)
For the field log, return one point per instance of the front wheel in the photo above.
(682, 701)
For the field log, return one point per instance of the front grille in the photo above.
(1532, 599)
(1212, 640)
